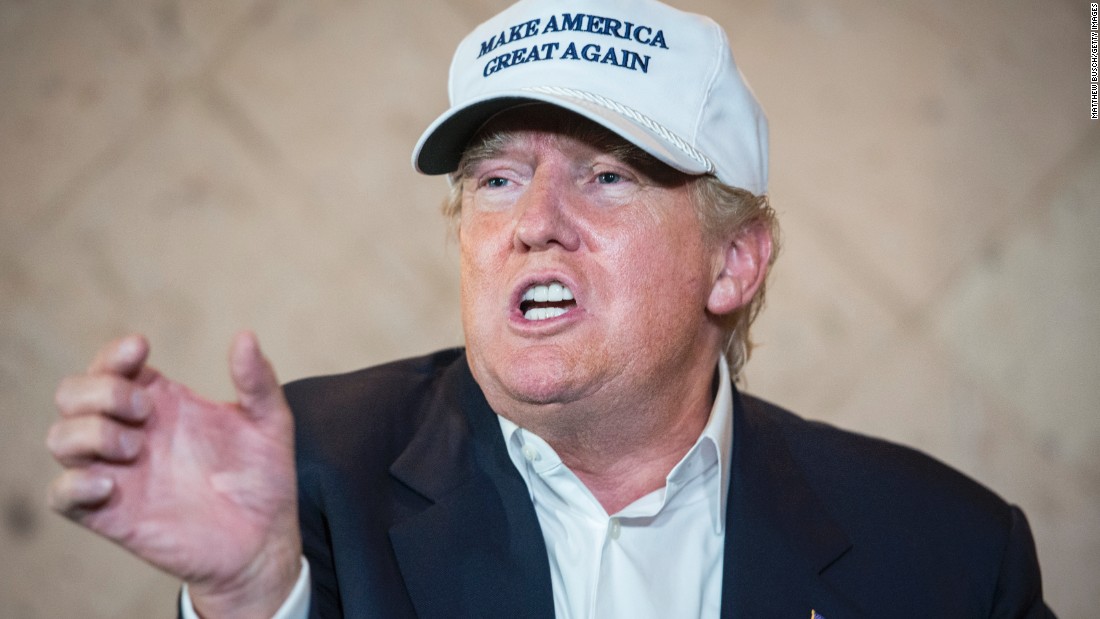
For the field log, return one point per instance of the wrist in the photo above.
(258, 591)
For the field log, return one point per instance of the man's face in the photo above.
(585, 275)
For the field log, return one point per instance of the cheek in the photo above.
(473, 244)
(481, 261)
(472, 282)
(661, 276)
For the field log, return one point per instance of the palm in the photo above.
(210, 487)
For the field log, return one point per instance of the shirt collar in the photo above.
(716, 438)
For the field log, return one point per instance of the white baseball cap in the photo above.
(663, 79)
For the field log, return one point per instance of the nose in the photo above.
(546, 217)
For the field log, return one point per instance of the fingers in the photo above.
(77, 441)
(78, 489)
(124, 356)
(101, 411)
(257, 387)
(86, 394)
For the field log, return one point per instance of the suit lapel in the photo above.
(780, 539)
(478, 549)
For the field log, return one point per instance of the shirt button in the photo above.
(530, 453)
(614, 528)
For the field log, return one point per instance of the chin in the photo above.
(537, 377)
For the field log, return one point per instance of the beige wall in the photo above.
(190, 168)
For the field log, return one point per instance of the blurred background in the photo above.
(187, 169)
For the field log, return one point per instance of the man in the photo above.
(586, 454)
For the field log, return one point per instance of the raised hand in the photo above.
(205, 491)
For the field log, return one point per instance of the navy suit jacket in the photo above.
(411, 507)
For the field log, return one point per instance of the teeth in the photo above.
(542, 313)
(552, 293)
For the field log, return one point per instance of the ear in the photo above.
(743, 266)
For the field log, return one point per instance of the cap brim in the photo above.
(440, 148)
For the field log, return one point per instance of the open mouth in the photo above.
(546, 301)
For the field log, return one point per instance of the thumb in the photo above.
(258, 390)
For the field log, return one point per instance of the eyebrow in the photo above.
(484, 148)
(493, 144)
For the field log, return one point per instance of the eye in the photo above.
(496, 181)
(608, 178)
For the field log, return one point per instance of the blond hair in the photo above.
(724, 213)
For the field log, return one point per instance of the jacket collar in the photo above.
(477, 550)
(780, 538)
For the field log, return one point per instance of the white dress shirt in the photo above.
(660, 556)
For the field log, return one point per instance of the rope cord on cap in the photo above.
(637, 117)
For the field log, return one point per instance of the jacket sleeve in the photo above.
(1019, 592)
(317, 547)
